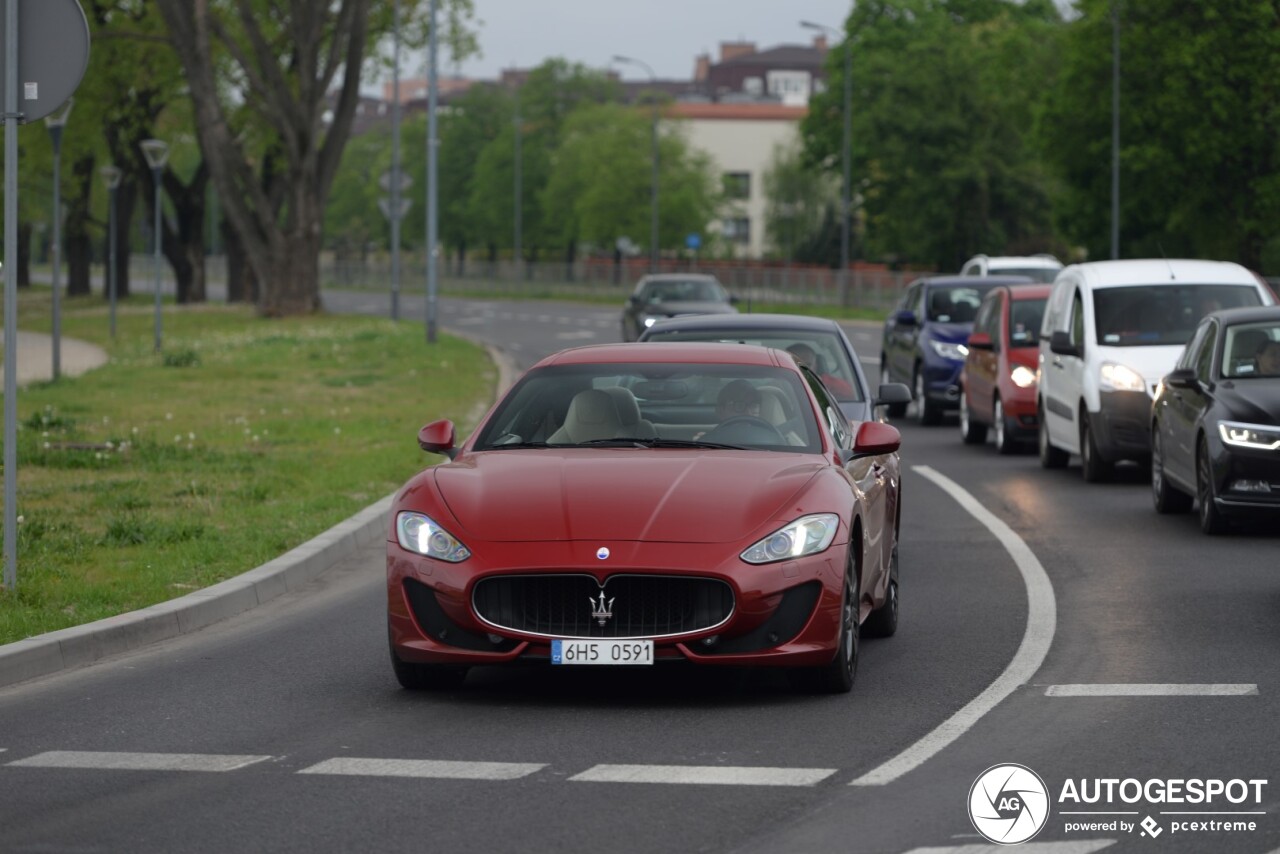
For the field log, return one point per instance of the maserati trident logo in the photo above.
(601, 610)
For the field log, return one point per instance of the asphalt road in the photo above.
(284, 730)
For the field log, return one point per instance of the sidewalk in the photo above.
(35, 357)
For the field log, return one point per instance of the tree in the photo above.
(260, 74)
(797, 201)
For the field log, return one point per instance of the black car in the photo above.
(817, 343)
(925, 340)
(672, 294)
(1215, 421)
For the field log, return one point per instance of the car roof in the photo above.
(1156, 271)
(954, 279)
(677, 277)
(1232, 316)
(715, 322)
(1046, 261)
(673, 352)
(1029, 291)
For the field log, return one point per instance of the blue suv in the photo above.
(926, 340)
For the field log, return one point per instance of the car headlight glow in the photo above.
(1121, 378)
(805, 536)
(419, 533)
(649, 321)
(947, 350)
(1023, 377)
(1259, 436)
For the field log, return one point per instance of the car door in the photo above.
(898, 342)
(1187, 406)
(982, 364)
(1064, 380)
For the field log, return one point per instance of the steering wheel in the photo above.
(745, 429)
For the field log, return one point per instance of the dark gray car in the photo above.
(664, 295)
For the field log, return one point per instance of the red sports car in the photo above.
(628, 504)
(998, 382)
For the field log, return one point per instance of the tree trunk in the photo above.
(242, 285)
(126, 202)
(570, 254)
(76, 242)
(295, 274)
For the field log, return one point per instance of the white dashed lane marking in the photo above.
(713, 775)
(1152, 690)
(432, 768)
(89, 759)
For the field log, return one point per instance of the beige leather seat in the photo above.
(633, 425)
(773, 407)
(592, 415)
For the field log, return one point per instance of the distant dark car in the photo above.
(833, 358)
(665, 295)
(926, 340)
(998, 383)
(1215, 421)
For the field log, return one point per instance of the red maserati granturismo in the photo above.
(634, 504)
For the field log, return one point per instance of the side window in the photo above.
(1204, 358)
(1190, 353)
(905, 302)
(834, 418)
(1077, 320)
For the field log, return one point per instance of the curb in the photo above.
(78, 646)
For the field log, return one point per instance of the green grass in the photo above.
(158, 474)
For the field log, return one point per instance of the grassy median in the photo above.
(159, 474)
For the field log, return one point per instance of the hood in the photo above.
(619, 494)
(677, 307)
(1152, 362)
(1255, 401)
(952, 333)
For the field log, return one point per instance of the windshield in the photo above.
(1252, 350)
(1040, 274)
(655, 405)
(691, 290)
(954, 304)
(1161, 314)
(1024, 322)
(822, 352)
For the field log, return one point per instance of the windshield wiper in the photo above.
(508, 445)
(660, 443)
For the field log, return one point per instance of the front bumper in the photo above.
(942, 383)
(1122, 427)
(783, 614)
(1231, 465)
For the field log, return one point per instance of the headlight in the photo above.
(419, 533)
(1121, 378)
(649, 321)
(954, 352)
(1258, 436)
(1023, 377)
(805, 536)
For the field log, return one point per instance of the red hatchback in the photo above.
(628, 504)
(998, 382)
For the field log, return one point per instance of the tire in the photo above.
(1212, 520)
(894, 410)
(971, 431)
(1051, 456)
(1166, 497)
(883, 621)
(924, 411)
(1092, 466)
(1004, 429)
(426, 677)
(838, 676)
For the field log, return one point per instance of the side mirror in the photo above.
(874, 438)
(438, 438)
(633, 299)
(906, 317)
(892, 393)
(1060, 343)
(980, 341)
(1181, 378)
(734, 299)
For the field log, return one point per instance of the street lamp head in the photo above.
(156, 151)
(58, 118)
(631, 60)
(111, 175)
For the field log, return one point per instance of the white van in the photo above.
(1112, 330)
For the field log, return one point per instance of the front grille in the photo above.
(568, 606)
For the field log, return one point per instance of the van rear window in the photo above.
(1148, 315)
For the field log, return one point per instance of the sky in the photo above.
(666, 34)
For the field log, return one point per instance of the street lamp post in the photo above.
(1115, 129)
(157, 153)
(56, 122)
(111, 175)
(518, 210)
(846, 202)
(395, 169)
(433, 190)
(653, 181)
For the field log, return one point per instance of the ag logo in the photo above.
(1008, 804)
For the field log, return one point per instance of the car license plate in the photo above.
(602, 652)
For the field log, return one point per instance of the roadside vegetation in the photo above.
(162, 473)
